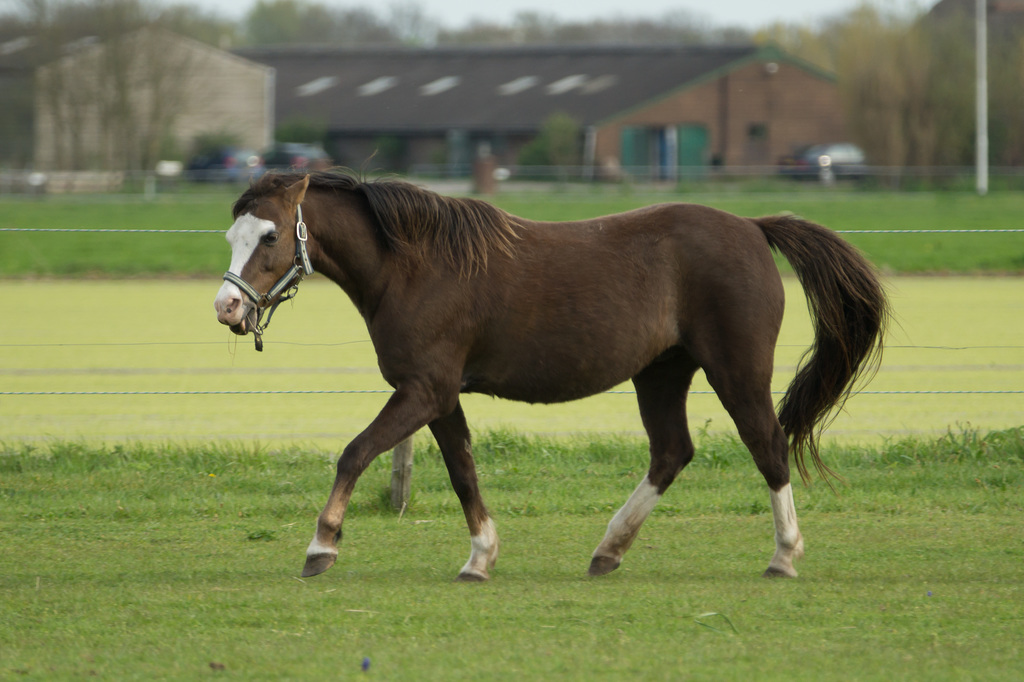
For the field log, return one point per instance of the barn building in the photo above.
(654, 107)
(666, 108)
(117, 106)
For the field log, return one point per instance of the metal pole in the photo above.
(589, 152)
(981, 96)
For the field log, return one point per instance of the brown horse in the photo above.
(461, 297)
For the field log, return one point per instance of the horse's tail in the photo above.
(849, 311)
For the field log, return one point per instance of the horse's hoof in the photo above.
(317, 564)
(776, 572)
(602, 565)
(467, 577)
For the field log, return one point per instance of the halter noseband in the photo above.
(261, 303)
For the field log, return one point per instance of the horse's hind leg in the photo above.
(452, 435)
(744, 387)
(661, 392)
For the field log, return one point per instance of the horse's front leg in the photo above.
(452, 436)
(408, 409)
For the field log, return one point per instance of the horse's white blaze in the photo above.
(484, 551)
(624, 526)
(789, 544)
(244, 236)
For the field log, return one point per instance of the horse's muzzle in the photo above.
(232, 308)
(241, 320)
(235, 319)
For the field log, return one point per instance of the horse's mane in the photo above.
(411, 220)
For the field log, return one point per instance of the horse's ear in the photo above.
(294, 194)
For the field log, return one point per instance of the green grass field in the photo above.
(952, 334)
(64, 254)
(161, 536)
(134, 562)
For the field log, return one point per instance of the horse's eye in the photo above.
(270, 238)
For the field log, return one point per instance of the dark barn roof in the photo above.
(494, 89)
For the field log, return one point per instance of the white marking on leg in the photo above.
(317, 548)
(625, 525)
(789, 544)
(483, 553)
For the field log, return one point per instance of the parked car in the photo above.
(296, 156)
(226, 164)
(825, 162)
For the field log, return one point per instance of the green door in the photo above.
(635, 146)
(693, 145)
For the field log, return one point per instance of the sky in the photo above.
(749, 14)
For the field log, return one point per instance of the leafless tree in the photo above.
(907, 81)
(110, 98)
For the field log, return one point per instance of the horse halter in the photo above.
(289, 281)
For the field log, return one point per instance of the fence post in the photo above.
(401, 474)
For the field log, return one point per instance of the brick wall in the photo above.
(753, 115)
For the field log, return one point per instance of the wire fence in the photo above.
(147, 185)
(145, 231)
(353, 392)
(301, 391)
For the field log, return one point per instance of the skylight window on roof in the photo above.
(439, 86)
(316, 86)
(514, 87)
(564, 85)
(599, 84)
(376, 86)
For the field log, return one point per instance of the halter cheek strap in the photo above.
(261, 303)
